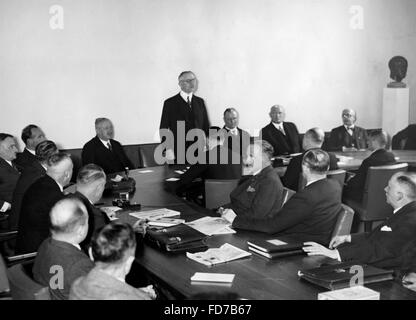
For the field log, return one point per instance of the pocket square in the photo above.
(386, 228)
(251, 189)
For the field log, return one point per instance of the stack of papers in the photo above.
(211, 226)
(213, 277)
(111, 212)
(225, 253)
(152, 215)
(165, 222)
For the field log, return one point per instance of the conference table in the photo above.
(256, 277)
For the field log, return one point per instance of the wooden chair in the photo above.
(22, 287)
(338, 175)
(146, 155)
(217, 192)
(374, 206)
(344, 222)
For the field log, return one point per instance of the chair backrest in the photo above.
(338, 175)
(76, 160)
(22, 287)
(287, 194)
(217, 192)
(344, 222)
(146, 155)
(374, 202)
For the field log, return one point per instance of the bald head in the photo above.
(313, 138)
(277, 113)
(91, 181)
(69, 218)
(349, 116)
(401, 189)
(104, 129)
(59, 168)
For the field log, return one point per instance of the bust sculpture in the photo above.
(398, 70)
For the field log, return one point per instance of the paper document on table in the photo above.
(211, 226)
(145, 171)
(172, 179)
(212, 277)
(111, 212)
(155, 214)
(225, 253)
(117, 178)
(179, 171)
(344, 158)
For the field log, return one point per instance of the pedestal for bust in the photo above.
(395, 109)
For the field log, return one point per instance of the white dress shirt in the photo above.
(185, 96)
(279, 126)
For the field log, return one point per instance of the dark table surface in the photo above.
(255, 277)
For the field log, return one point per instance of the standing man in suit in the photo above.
(309, 214)
(104, 151)
(237, 139)
(89, 189)
(260, 196)
(283, 136)
(348, 137)
(32, 135)
(68, 226)
(29, 175)
(38, 201)
(182, 113)
(313, 139)
(377, 141)
(8, 171)
(382, 247)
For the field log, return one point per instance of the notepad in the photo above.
(213, 277)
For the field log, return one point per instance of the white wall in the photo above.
(121, 58)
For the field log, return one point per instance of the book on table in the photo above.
(340, 275)
(274, 248)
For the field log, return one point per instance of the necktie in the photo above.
(350, 131)
(109, 146)
(189, 102)
(281, 130)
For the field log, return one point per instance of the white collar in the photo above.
(9, 162)
(313, 181)
(105, 143)
(44, 167)
(59, 185)
(76, 245)
(31, 151)
(257, 172)
(185, 96)
(395, 210)
(278, 125)
(350, 127)
(232, 130)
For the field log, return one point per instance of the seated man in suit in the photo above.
(313, 139)
(60, 260)
(32, 135)
(38, 201)
(219, 163)
(377, 141)
(104, 151)
(283, 136)
(309, 214)
(28, 176)
(260, 196)
(89, 189)
(382, 247)
(348, 137)
(405, 139)
(8, 171)
(236, 139)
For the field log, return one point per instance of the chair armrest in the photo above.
(20, 259)
(6, 236)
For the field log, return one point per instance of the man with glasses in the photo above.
(348, 137)
(182, 113)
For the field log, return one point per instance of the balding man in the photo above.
(377, 143)
(348, 137)
(184, 109)
(313, 139)
(283, 136)
(104, 151)
(8, 171)
(384, 246)
(60, 261)
(32, 135)
(309, 214)
(38, 201)
(89, 189)
(29, 175)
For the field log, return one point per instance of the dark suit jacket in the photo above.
(176, 109)
(238, 143)
(96, 218)
(34, 219)
(28, 176)
(409, 135)
(111, 161)
(340, 137)
(309, 215)
(281, 144)
(355, 187)
(294, 170)
(25, 159)
(73, 261)
(380, 248)
(8, 180)
(258, 197)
